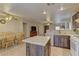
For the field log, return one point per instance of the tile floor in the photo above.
(20, 50)
(56, 51)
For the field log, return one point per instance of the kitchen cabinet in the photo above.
(56, 40)
(37, 46)
(33, 50)
(37, 50)
(62, 41)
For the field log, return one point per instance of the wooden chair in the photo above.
(10, 38)
(9, 41)
(2, 42)
(19, 38)
(2, 37)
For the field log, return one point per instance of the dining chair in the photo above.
(19, 37)
(9, 41)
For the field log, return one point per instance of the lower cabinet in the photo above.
(37, 50)
(56, 40)
(62, 41)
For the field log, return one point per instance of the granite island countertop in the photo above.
(37, 40)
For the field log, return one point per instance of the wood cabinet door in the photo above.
(66, 42)
(56, 40)
(34, 50)
(61, 41)
(39, 50)
(27, 49)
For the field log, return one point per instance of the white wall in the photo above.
(12, 26)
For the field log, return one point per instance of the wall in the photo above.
(17, 26)
(12, 26)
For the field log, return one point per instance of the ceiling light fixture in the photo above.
(61, 8)
(44, 12)
(7, 17)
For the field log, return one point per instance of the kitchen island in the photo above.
(37, 46)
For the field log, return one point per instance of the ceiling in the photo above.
(34, 11)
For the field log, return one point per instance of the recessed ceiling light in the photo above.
(61, 8)
(44, 12)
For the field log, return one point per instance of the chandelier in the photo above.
(47, 13)
(6, 17)
(47, 23)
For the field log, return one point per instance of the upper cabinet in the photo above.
(75, 21)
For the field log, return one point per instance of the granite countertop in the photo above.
(67, 32)
(37, 40)
(70, 34)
